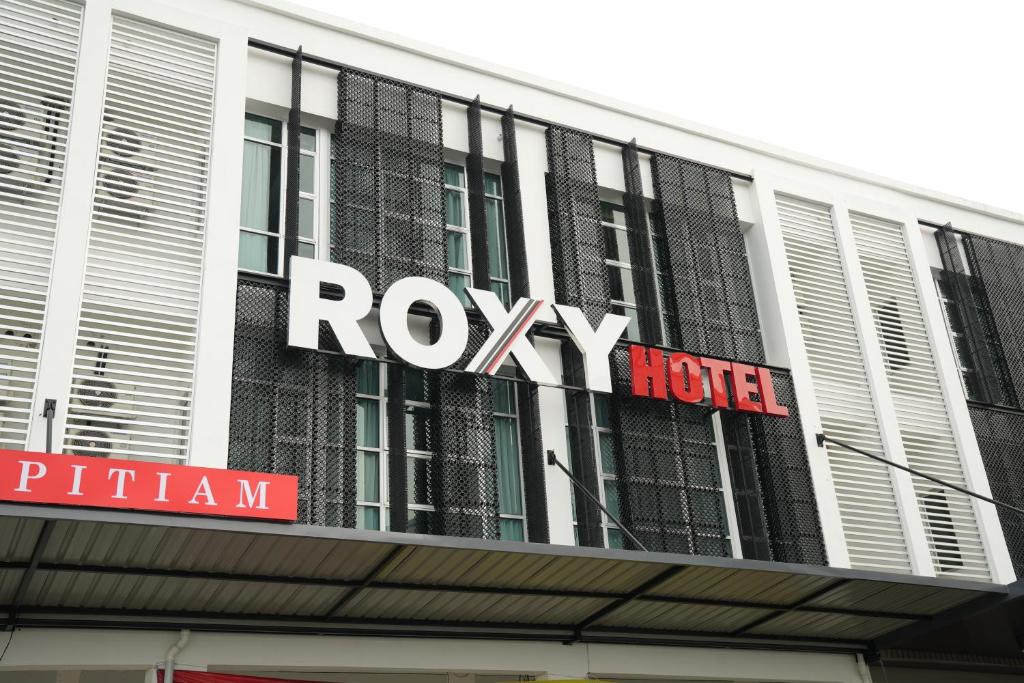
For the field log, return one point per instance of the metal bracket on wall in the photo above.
(49, 410)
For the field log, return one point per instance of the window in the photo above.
(608, 473)
(497, 239)
(620, 272)
(456, 212)
(261, 242)
(506, 439)
(663, 285)
(371, 455)
(419, 450)
(956, 327)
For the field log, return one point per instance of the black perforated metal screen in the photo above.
(1001, 442)
(712, 297)
(388, 220)
(292, 411)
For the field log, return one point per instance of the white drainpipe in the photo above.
(174, 652)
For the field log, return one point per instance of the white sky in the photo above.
(931, 93)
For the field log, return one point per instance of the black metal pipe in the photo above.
(494, 109)
(974, 494)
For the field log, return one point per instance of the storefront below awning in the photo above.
(65, 568)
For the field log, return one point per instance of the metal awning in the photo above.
(62, 567)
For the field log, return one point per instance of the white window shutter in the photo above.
(39, 43)
(954, 542)
(131, 391)
(867, 503)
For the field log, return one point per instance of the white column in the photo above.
(885, 411)
(60, 331)
(552, 422)
(956, 405)
(785, 346)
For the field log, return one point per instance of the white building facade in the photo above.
(161, 164)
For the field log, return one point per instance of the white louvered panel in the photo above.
(131, 391)
(954, 542)
(867, 503)
(39, 42)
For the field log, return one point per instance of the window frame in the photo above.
(514, 416)
(464, 230)
(382, 450)
(619, 306)
(499, 201)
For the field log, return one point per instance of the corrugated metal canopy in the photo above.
(62, 566)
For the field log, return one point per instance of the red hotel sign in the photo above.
(682, 376)
(134, 485)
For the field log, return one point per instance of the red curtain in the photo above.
(207, 677)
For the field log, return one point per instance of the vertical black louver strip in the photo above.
(574, 214)
(640, 246)
(477, 213)
(291, 198)
(292, 411)
(532, 448)
(978, 328)
(512, 199)
(464, 463)
(999, 269)
(388, 221)
(712, 293)
(398, 478)
(581, 447)
(787, 490)
(670, 493)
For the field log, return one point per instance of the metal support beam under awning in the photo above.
(74, 567)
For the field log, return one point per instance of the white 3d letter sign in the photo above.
(509, 327)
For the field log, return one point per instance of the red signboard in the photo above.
(135, 485)
(682, 376)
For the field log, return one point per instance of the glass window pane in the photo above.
(620, 283)
(262, 128)
(492, 184)
(418, 471)
(368, 378)
(604, 440)
(616, 244)
(615, 539)
(414, 387)
(497, 243)
(307, 225)
(368, 518)
(420, 522)
(503, 291)
(368, 477)
(307, 250)
(602, 410)
(454, 175)
(633, 328)
(368, 423)
(417, 429)
(510, 492)
(453, 208)
(613, 213)
(457, 282)
(261, 169)
(307, 173)
(512, 530)
(257, 252)
(457, 251)
(611, 496)
(307, 139)
(504, 392)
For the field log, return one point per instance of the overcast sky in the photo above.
(931, 93)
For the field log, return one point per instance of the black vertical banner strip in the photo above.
(581, 447)
(398, 481)
(640, 246)
(513, 201)
(477, 213)
(291, 196)
(534, 486)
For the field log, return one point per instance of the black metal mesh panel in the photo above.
(292, 411)
(581, 448)
(464, 466)
(640, 247)
(712, 293)
(532, 448)
(512, 198)
(1000, 438)
(388, 219)
(398, 478)
(475, 185)
(787, 490)
(291, 201)
(670, 492)
(748, 500)
(1000, 268)
(574, 215)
